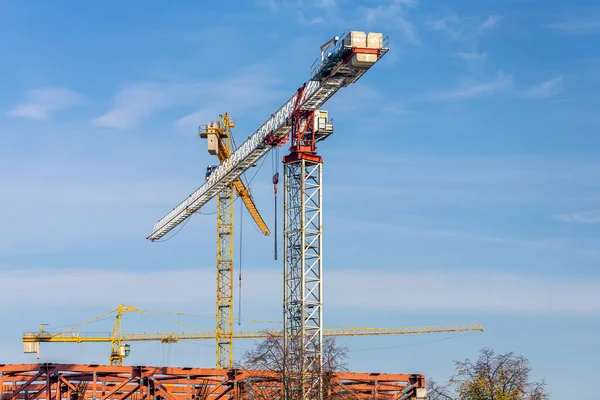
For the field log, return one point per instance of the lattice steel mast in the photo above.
(224, 310)
(303, 307)
(219, 138)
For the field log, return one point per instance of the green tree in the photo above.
(491, 377)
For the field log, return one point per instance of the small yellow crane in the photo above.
(120, 349)
(219, 136)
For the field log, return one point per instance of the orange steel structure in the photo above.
(102, 382)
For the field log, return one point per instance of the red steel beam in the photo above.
(102, 382)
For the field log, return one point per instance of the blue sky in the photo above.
(461, 183)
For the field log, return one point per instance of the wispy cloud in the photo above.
(471, 90)
(458, 290)
(42, 103)
(490, 22)
(136, 102)
(578, 26)
(393, 16)
(549, 88)
(472, 56)
(297, 4)
(303, 19)
(465, 28)
(245, 89)
(583, 217)
(325, 3)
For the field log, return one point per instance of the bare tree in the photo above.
(491, 377)
(269, 354)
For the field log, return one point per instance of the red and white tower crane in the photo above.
(343, 61)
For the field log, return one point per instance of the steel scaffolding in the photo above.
(101, 382)
(303, 311)
(224, 329)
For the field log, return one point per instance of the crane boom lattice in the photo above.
(347, 60)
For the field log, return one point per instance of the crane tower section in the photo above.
(303, 311)
(219, 140)
(303, 263)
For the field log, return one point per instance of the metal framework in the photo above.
(303, 311)
(32, 340)
(329, 74)
(342, 62)
(224, 329)
(98, 382)
(220, 140)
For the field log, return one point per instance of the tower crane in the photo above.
(342, 62)
(220, 138)
(120, 348)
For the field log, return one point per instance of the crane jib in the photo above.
(338, 69)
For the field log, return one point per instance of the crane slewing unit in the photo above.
(343, 61)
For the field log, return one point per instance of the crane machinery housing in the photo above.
(343, 61)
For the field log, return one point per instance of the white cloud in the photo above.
(491, 22)
(134, 103)
(472, 56)
(314, 20)
(546, 89)
(297, 4)
(578, 27)
(393, 16)
(465, 28)
(243, 92)
(583, 217)
(42, 103)
(198, 118)
(248, 88)
(448, 291)
(325, 3)
(474, 89)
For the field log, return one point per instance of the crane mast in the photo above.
(224, 311)
(302, 305)
(219, 139)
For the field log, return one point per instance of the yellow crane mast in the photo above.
(120, 349)
(220, 138)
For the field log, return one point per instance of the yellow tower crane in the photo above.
(220, 140)
(120, 349)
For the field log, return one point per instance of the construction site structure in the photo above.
(343, 61)
(96, 382)
(219, 140)
(120, 348)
